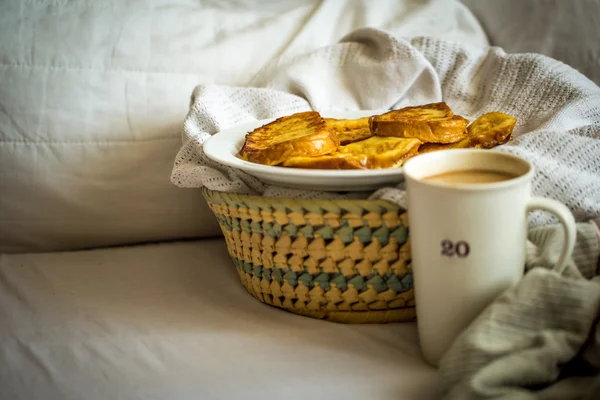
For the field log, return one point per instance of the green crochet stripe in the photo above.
(346, 233)
(398, 284)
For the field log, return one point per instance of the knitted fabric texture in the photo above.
(557, 108)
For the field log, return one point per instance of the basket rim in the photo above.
(354, 202)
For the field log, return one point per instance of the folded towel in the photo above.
(539, 339)
(557, 109)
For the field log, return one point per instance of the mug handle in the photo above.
(566, 219)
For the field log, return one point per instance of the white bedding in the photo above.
(172, 321)
(92, 95)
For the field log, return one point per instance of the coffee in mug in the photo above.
(467, 212)
(470, 176)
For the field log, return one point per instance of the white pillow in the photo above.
(93, 95)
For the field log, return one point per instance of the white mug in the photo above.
(468, 240)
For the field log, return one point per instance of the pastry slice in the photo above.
(301, 134)
(383, 152)
(349, 130)
(430, 123)
(488, 131)
(330, 161)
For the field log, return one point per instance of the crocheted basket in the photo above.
(340, 260)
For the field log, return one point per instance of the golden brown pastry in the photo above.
(430, 123)
(488, 131)
(330, 161)
(306, 140)
(383, 152)
(349, 130)
(300, 134)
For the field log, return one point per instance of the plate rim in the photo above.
(235, 162)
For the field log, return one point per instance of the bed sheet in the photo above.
(171, 321)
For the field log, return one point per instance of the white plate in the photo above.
(223, 147)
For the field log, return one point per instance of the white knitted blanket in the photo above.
(557, 108)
